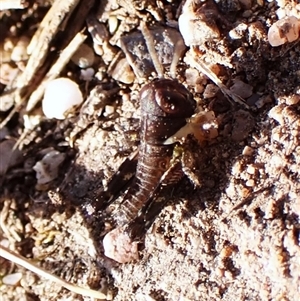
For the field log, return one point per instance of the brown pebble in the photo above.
(241, 89)
(248, 151)
(242, 125)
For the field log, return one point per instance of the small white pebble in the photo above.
(210, 91)
(113, 24)
(47, 168)
(283, 31)
(87, 74)
(231, 190)
(12, 279)
(281, 13)
(251, 169)
(119, 247)
(236, 168)
(4, 243)
(61, 95)
(191, 76)
(238, 32)
(109, 110)
(32, 120)
(250, 183)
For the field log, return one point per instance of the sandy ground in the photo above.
(236, 237)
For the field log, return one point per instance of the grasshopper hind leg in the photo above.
(119, 182)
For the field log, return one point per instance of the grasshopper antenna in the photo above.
(179, 48)
(151, 48)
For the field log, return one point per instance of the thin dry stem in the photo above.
(9, 116)
(17, 259)
(55, 70)
(200, 65)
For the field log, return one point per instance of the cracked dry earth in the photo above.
(237, 237)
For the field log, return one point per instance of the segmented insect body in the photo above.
(165, 106)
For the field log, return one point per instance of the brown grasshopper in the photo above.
(155, 168)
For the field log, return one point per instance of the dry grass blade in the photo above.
(198, 64)
(17, 259)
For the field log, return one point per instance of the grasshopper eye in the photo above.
(171, 101)
(174, 99)
(167, 98)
